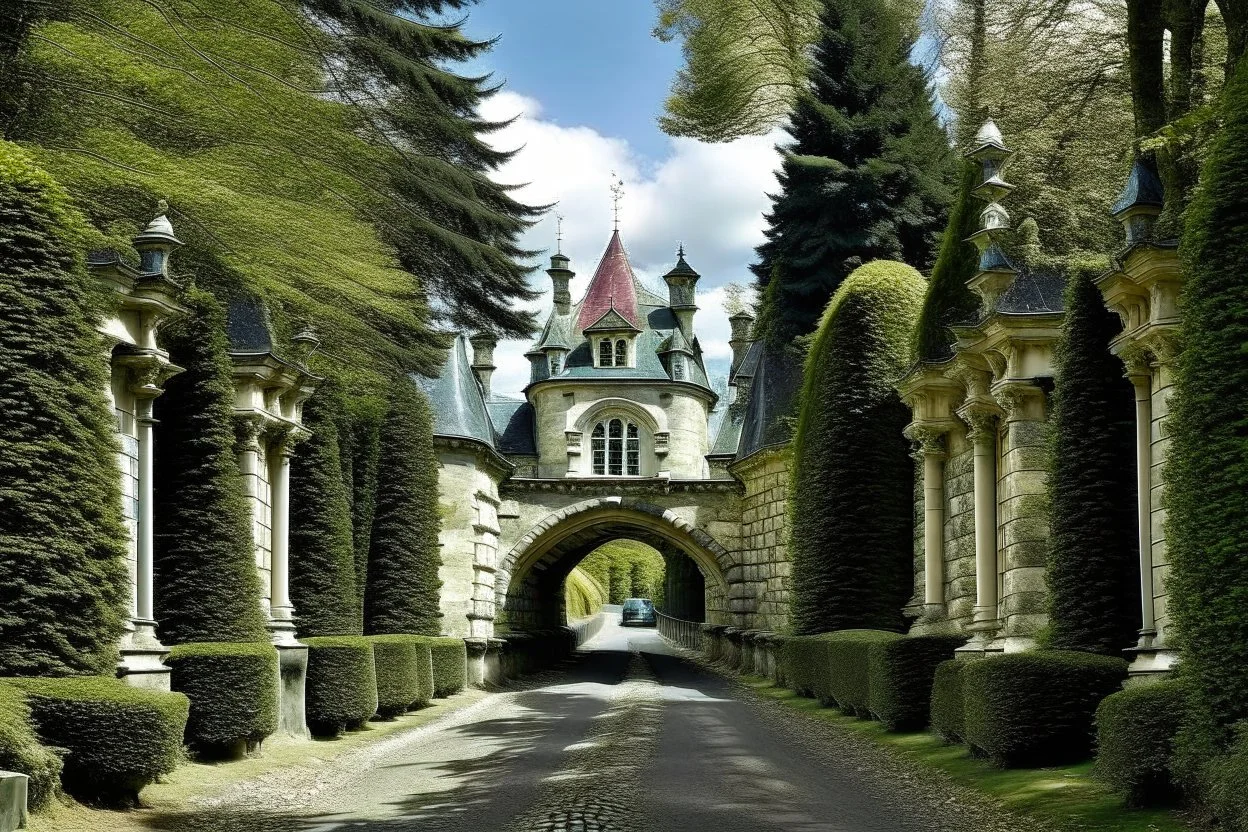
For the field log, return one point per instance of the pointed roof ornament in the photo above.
(988, 135)
(612, 288)
(1143, 188)
(682, 267)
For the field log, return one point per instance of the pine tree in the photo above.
(206, 584)
(1093, 565)
(62, 545)
(322, 557)
(402, 593)
(949, 300)
(868, 172)
(851, 497)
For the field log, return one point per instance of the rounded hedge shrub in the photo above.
(233, 691)
(116, 738)
(901, 673)
(849, 677)
(1036, 708)
(947, 705)
(404, 673)
(450, 665)
(20, 750)
(341, 692)
(1135, 731)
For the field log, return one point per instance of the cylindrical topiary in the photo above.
(404, 673)
(207, 587)
(947, 706)
(1093, 569)
(63, 584)
(402, 594)
(20, 750)
(116, 738)
(849, 668)
(852, 535)
(341, 692)
(949, 300)
(1135, 732)
(901, 673)
(322, 558)
(233, 691)
(450, 665)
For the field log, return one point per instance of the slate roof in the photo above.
(1033, 293)
(247, 326)
(458, 406)
(613, 286)
(513, 424)
(1143, 188)
(773, 395)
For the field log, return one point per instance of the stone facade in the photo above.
(764, 535)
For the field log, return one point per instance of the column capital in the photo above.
(1163, 344)
(981, 419)
(1020, 400)
(148, 370)
(248, 428)
(929, 437)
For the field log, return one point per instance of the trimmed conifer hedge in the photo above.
(402, 592)
(1225, 792)
(805, 666)
(116, 738)
(63, 583)
(1135, 733)
(404, 673)
(947, 707)
(233, 692)
(851, 497)
(1036, 708)
(948, 299)
(449, 657)
(207, 587)
(1093, 570)
(901, 672)
(341, 687)
(849, 668)
(20, 750)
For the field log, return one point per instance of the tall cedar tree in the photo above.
(402, 593)
(322, 557)
(868, 174)
(207, 587)
(851, 501)
(949, 300)
(1207, 476)
(63, 581)
(1093, 565)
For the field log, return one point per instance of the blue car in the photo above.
(638, 611)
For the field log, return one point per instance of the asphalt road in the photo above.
(629, 737)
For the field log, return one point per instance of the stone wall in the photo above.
(468, 503)
(1022, 521)
(766, 574)
(959, 529)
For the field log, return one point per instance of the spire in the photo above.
(996, 272)
(682, 288)
(611, 287)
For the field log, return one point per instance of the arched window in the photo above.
(604, 352)
(621, 353)
(554, 364)
(616, 448)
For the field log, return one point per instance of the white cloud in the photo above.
(711, 197)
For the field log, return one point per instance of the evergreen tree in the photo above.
(63, 579)
(322, 557)
(402, 595)
(851, 497)
(361, 429)
(949, 299)
(206, 584)
(1207, 476)
(1093, 566)
(867, 174)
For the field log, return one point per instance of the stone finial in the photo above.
(483, 344)
(741, 323)
(304, 343)
(995, 269)
(156, 243)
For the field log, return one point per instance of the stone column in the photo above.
(933, 452)
(249, 450)
(281, 613)
(1142, 380)
(144, 573)
(983, 436)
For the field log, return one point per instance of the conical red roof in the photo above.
(612, 287)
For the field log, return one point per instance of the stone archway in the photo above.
(530, 576)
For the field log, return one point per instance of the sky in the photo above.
(587, 80)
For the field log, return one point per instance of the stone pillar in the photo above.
(932, 453)
(983, 435)
(144, 573)
(281, 612)
(1142, 381)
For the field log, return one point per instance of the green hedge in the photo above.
(901, 673)
(804, 660)
(20, 750)
(341, 690)
(947, 707)
(849, 676)
(116, 738)
(404, 673)
(450, 665)
(1135, 731)
(233, 691)
(1226, 786)
(1036, 708)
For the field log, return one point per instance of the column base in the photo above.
(142, 658)
(477, 648)
(984, 638)
(292, 664)
(1150, 663)
(282, 633)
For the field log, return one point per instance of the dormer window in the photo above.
(616, 448)
(613, 352)
(605, 353)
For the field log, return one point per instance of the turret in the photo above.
(560, 277)
(682, 288)
(1140, 202)
(996, 272)
(740, 341)
(155, 243)
(483, 344)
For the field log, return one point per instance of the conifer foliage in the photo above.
(322, 558)
(949, 300)
(1207, 529)
(868, 173)
(1093, 565)
(62, 574)
(207, 587)
(851, 506)
(402, 593)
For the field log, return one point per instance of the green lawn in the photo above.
(1066, 797)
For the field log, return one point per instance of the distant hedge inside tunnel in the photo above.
(626, 569)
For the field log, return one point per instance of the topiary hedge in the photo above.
(450, 665)
(1135, 732)
(849, 676)
(1036, 708)
(20, 750)
(341, 691)
(233, 691)
(116, 738)
(804, 660)
(901, 673)
(404, 673)
(949, 300)
(1225, 790)
(947, 706)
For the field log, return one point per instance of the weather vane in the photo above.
(617, 193)
(559, 233)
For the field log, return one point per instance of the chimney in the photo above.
(156, 243)
(682, 288)
(483, 344)
(560, 277)
(741, 340)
